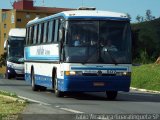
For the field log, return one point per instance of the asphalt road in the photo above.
(45, 102)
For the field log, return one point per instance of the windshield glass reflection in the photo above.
(16, 50)
(98, 42)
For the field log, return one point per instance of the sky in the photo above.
(132, 7)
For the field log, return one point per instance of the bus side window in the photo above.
(31, 35)
(27, 36)
(51, 31)
(56, 30)
(40, 33)
(35, 34)
(45, 35)
(29, 39)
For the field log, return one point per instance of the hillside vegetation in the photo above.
(146, 77)
(146, 41)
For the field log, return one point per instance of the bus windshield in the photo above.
(16, 49)
(106, 41)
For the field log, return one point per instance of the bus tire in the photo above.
(8, 76)
(42, 88)
(34, 86)
(111, 95)
(57, 92)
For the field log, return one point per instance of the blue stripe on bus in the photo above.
(85, 83)
(95, 68)
(42, 58)
(41, 80)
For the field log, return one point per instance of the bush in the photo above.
(144, 58)
(146, 41)
(3, 59)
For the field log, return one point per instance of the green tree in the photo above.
(129, 16)
(144, 57)
(146, 41)
(149, 16)
(142, 19)
(138, 18)
(3, 59)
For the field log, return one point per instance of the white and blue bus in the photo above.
(14, 47)
(52, 60)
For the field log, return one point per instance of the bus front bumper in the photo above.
(15, 73)
(94, 83)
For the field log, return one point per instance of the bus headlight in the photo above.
(73, 73)
(123, 73)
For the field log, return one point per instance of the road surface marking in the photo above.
(71, 110)
(43, 103)
(57, 106)
(138, 94)
(145, 90)
(31, 100)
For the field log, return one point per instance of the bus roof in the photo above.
(17, 32)
(86, 14)
(94, 13)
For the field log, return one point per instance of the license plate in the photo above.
(98, 84)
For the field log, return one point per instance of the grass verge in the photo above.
(10, 106)
(146, 77)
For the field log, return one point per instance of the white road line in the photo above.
(43, 103)
(57, 106)
(138, 94)
(31, 100)
(144, 90)
(71, 110)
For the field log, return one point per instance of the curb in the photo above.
(144, 90)
(13, 98)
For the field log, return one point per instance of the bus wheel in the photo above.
(42, 88)
(111, 95)
(56, 91)
(34, 86)
(7, 76)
